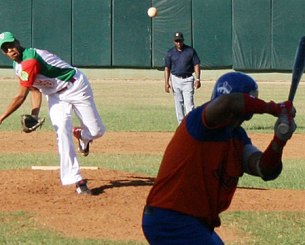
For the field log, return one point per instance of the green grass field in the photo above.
(133, 105)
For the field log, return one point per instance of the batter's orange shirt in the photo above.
(200, 169)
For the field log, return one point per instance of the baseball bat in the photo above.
(297, 72)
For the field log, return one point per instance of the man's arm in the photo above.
(268, 164)
(36, 101)
(224, 110)
(167, 85)
(197, 70)
(230, 109)
(16, 102)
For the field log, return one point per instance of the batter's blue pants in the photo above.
(166, 227)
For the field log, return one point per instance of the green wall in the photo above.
(91, 33)
(212, 32)
(131, 33)
(288, 26)
(255, 35)
(51, 26)
(251, 36)
(16, 17)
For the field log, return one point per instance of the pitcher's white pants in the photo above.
(78, 98)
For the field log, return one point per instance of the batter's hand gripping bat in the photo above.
(297, 72)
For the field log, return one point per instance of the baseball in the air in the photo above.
(152, 12)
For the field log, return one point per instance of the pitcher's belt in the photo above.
(72, 80)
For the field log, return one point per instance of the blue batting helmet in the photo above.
(235, 82)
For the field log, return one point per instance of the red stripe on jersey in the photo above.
(30, 69)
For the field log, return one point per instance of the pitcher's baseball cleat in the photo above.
(82, 188)
(82, 146)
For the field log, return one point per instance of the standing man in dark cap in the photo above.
(181, 62)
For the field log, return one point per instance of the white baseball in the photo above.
(152, 12)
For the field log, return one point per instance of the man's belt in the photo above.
(183, 76)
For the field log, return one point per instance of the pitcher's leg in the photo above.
(85, 109)
(90, 120)
(61, 118)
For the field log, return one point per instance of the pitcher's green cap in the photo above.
(6, 37)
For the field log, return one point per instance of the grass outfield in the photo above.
(133, 105)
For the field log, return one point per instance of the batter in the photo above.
(67, 90)
(204, 160)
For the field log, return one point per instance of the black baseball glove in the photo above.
(30, 123)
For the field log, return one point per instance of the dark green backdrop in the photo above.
(259, 35)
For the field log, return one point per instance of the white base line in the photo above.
(57, 168)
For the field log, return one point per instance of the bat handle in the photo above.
(283, 128)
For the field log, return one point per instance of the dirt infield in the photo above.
(114, 212)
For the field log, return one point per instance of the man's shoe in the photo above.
(82, 188)
(82, 147)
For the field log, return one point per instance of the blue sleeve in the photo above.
(198, 131)
(196, 59)
(194, 123)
